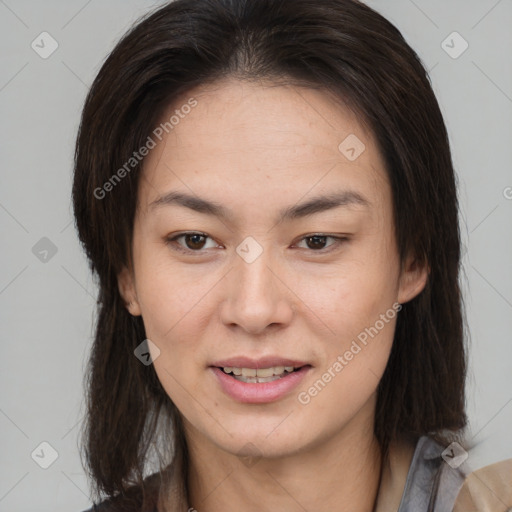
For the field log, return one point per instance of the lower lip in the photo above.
(254, 393)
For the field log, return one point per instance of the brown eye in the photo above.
(193, 242)
(316, 241)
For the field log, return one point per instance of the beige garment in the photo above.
(488, 489)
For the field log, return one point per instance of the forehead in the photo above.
(261, 142)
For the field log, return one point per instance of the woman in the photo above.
(264, 190)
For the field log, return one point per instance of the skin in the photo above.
(256, 148)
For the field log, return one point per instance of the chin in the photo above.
(261, 447)
(267, 439)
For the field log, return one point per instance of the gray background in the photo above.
(47, 306)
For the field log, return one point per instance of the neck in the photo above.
(340, 473)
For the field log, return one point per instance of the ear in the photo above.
(412, 279)
(126, 284)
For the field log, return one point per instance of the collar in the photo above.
(394, 475)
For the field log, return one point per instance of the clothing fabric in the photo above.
(431, 485)
(415, 479)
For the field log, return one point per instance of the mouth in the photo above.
(259, 375)
(259, 381)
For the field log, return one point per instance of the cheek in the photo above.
(353, 367)
(176, 308)
(358, 305)
(352, 298)
(169, 295)
(172, 306)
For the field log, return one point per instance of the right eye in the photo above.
(194, 242)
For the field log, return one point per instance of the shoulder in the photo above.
(101, 507)
(136, 498)
(488, 488)
(433, 478)
(118, 504)
(162, 489)
(124, 504)
(440, 479)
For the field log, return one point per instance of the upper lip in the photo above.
(263, 362)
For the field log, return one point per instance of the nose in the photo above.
(257, 297)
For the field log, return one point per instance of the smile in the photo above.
(260, 375)
(259, 385)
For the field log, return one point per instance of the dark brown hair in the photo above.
(342, 47)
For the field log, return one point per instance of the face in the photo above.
(264, 245)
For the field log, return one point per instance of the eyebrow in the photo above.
(315, 205)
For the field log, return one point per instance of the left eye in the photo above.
(316, 240)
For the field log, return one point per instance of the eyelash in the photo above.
(171, 242)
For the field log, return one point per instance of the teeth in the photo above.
(260, 374)
(256, 380)
(263, 372)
